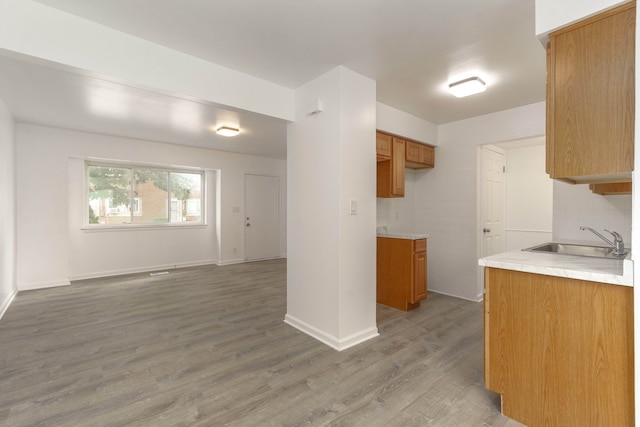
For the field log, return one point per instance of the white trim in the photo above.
(42, 285)
(7, 302)
(230, 261)
(140, 227)
(479, 298)
(522, 230)
(145, 269)
(330, 340)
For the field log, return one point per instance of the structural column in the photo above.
(331, 209)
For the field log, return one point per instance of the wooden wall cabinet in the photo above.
(558, 350)
(590, 98)
(390, 173)
(393, 155)
(419, 156)
(401, 272)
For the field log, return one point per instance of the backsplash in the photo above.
(397, 215)
(576, 205)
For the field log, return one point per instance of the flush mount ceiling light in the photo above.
(467, 87)
(227, 131)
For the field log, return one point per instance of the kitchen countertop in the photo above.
(409, 236)
(613, 271)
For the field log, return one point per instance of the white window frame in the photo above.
(137, 201)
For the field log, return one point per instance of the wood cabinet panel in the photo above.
(413, 152)
(612, 188)
(560, 351)
(397, 158)
(419, 288)
(383, 146)
(390, 172)
(419, 156)
(429, 156)
(590, 98)
(401, 272)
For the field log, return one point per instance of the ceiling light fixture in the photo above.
(227, 131)
(467, 87)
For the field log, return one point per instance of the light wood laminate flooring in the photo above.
(207, 346)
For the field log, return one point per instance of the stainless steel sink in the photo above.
(577, 250)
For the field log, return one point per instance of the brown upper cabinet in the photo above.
(419, 156)
(390, 173)
(394, 154)
(590, 98)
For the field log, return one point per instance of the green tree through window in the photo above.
(138, 195)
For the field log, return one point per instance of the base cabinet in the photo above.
(401, 272)
(559, 351)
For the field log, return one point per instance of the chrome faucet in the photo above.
(617, 244)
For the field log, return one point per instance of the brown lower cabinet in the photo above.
(401, 272)
(558, 350)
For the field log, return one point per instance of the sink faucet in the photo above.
(617, 244)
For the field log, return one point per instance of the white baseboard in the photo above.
(230, 261)
(435, 291)
(7, 302)
(42, 285)
(328, 339)
(144, 269)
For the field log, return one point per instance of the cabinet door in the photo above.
(413, 152)
(383, 146)
(419, 289)
(428, 155)
(397, 170)
(548, 338)
(591, 74)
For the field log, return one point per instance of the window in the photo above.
(135, 195)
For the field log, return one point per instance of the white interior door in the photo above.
(492, 200)
(262, 217)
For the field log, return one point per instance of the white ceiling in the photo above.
(39, 92)
(412, 48)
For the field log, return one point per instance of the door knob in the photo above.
(486, 230)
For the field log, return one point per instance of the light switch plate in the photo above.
(353, 207)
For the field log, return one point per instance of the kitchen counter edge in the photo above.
(408, 236)
(615, 272)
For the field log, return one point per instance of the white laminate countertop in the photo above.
(613, 271)
(409, 236)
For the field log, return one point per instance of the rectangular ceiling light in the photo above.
(467, 87)
(227, 131)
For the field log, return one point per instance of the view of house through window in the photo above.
(140, 195)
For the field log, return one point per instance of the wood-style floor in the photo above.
(207, 346)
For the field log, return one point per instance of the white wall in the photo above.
(445, 198)
(575, 205)
(52, 247)
(331, 267)
(398, 214)
(398, 122)
(8, 286)
(529, 198)
(553, 14)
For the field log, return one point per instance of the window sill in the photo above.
(141, 227)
